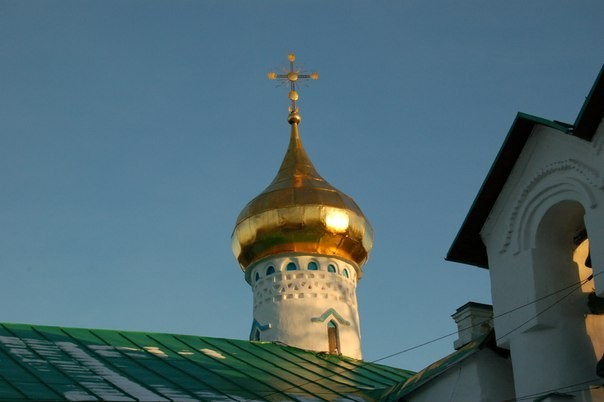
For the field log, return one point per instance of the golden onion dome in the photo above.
(301, 212)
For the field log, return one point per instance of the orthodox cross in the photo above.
(292, 76)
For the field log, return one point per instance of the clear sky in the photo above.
(132, 133)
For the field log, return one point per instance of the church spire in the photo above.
(302, 245)
(292, 77)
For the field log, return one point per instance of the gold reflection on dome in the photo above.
(300, 212)
(336, 220)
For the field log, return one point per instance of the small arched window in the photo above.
(257, 276)
(345, 273)
(270, 270)
(291, 266)
(312, 266)
(331, 268)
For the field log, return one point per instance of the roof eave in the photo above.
(592, 112)
(468, 248)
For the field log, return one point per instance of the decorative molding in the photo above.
(329, 313)
(261, 328)
(588, 178)
(302, 285)
(598, 139)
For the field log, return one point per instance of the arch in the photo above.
(270, 270)
(345, 273)
(333, 338)
(312, 266)
(291, 266)
(332, 268)
(257, 276)
(559, 181)
(559, 233)
(558, 261)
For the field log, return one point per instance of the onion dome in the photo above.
(300, 212)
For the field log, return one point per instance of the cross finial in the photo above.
(292, 77)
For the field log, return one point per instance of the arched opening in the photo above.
(561, 277)
(270, 270)
(312, 266)
(561, 254)
(331, 268)
(291, 266)
(333, 338)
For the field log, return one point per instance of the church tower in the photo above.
(302, 244)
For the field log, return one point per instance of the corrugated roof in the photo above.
(45, 363)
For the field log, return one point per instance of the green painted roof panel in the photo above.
(57, 363)
(439, 367)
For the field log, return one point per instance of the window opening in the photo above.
(331, 268)
(291, 267)
(345, 273)
(257, 276)
(333, 338)
(270, 270)
(312, 266)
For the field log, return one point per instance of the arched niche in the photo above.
(560, 274)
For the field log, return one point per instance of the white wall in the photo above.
(299, 304)
(555, 189)
(483, 377)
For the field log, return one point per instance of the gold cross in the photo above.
(292, 76)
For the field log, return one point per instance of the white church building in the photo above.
(537, 225)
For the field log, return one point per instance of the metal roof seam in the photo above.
(31, 371)
(298, 365)
(280, 391)
(334, 372)
(178, 369)
(129, 359)
(184, 342)
(364, 365)
(7, 381)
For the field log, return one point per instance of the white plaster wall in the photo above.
(484, 377)
(594, 217)
(556, 187)
(288, 301)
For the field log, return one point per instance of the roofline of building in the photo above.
(468, 248)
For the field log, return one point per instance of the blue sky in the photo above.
(132, 133)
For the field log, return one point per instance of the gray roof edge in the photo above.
(592, 111)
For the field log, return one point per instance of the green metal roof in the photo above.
(436, 369)
(46, 363)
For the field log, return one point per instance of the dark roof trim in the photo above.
(592, 111)
(468, 248)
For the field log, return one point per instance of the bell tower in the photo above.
(302, 245)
